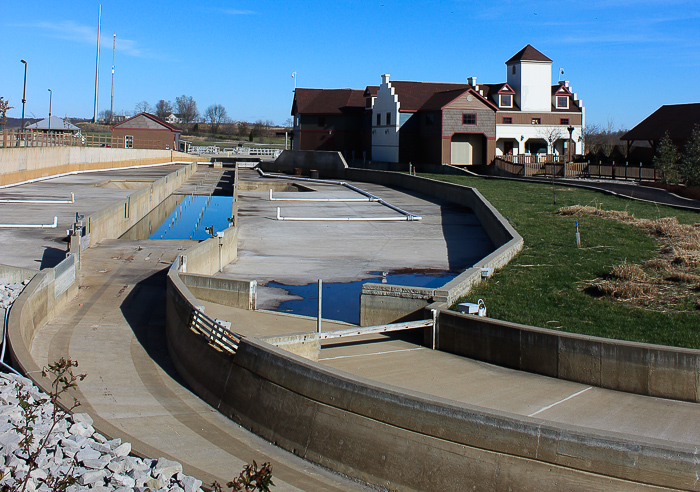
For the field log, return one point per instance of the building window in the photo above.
(563, 121)
(388, 119)
(429, 118)
(469, 119)
(507, 120)
(506, 101)
(536, 121)
(562, 102)
(296, 120)
(321, 121)
(513, 70)
(129, 142)
(379, 119)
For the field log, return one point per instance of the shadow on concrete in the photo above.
(465, 238)
(225, 185)
(51, 257)
(144, 310)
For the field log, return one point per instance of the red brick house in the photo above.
(145, 131)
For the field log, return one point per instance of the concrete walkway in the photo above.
(115, 329)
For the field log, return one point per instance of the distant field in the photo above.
(624, 282)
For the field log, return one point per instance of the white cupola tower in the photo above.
(530, 76)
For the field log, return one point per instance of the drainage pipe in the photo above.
(12, 200)
(33, 226)
(4, 341)
(350, 219)
(379, 200)
(322, 199)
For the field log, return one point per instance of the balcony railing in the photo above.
(556, 167)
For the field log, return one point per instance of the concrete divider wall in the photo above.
(240, 294)
(328, 164)
(381, 303)
(15, 274)
(211, 255)
(392, 437)
(45, 295)
(22, 164)
(645, 369)
(113, 221)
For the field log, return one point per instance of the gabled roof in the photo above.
(56, 124)
(128, 123)
(371, 90)
(528, 53)
(678, 119)
(328, 101)
(414, 96)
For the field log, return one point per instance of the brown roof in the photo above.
(414, 96)
(676, 119)
(150, 117)
(328, 101)
(371, 90)
(528, 53)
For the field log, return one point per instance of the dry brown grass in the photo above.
(672, 275)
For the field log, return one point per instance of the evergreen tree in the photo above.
(666, 160)
(690, 164)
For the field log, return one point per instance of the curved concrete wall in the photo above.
(641, 368)
(328, 164)
(406, 440)
(18, 165)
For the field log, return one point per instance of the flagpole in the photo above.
(97, 63)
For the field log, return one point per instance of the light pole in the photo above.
(571, 132)
(50, 101)
(24, 93)
(294, 76)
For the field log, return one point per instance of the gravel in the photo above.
(75, 447)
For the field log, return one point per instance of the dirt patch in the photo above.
(671, 281)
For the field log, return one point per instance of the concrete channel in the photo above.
(382, 408)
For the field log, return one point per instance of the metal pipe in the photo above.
(4, 342)
(320, 305)
(350, 219)
(50, 102)
(321, 199)
(32, 226)
(12, 200)
(111, 107)
(386, 204)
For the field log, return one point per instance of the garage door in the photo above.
(467, 149)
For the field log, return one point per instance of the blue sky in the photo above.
(623, 58)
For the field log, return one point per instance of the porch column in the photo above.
(521, 147)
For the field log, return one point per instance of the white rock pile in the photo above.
(74, 447)
(9, 292)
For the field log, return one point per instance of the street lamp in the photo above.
(50, 101)
(24, 93)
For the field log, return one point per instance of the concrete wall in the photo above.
(18, 165)
(15, 274)
(240, 294)
(328, 164)
(114, 220)
(406, 440)
(210, 256)
(380, 304)
(45, 295)
(645, 369)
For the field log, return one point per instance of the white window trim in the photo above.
(500, 101)
(556, 100)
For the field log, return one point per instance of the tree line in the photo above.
(679, 166)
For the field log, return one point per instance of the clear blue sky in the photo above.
(623, 58)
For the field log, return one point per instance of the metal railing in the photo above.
(216, 150)
(215, 333)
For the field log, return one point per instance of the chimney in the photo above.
(385, 78)
(471, 81)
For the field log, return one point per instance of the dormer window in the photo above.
(505, 100)
(562, 102)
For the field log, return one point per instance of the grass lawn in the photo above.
(542, 285)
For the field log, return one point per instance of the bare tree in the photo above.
(551, 134)
(215, 115)
(289, 123)
(163, 109)
(187, 108)
(106, 116)
(143, 107)
(243, 129)
(4, 108)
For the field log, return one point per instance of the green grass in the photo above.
(541, 285)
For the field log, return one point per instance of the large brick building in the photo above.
(443, 123)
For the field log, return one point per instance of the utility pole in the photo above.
(50, 102)
(111, 107)
(97, 63)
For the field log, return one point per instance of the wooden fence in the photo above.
(16, 138)
(576, 170)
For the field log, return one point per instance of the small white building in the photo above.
(173, 118)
